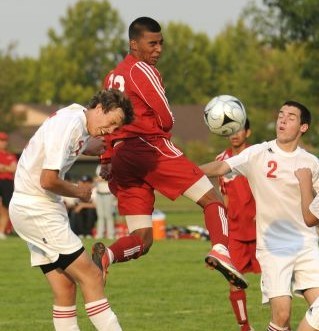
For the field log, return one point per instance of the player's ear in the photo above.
(248, 133)
(99, 108)
(133, 45)
(304, 127)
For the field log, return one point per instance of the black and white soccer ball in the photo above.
(225, 115)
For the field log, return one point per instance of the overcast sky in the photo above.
(26, 22)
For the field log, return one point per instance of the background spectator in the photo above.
(83, 214)
(8, 165)
(105, 207)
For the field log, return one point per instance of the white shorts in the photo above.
(45, 226)
(283, 274)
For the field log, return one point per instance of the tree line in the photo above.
(268, 56)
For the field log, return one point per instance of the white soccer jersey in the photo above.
(270, 172)
(55, 146)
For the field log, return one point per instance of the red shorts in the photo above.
(139, 167)
(243, 255)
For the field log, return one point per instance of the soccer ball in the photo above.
(225, 115)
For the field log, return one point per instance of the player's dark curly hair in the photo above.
(110, 99)
(142, 24)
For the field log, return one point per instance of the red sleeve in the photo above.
(148, 84)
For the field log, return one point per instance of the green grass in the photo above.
(168, 289)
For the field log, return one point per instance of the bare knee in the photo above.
(64, 294)
(210, 197)
(281, 314)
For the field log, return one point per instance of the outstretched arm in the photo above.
(304, 177)
(215, 168)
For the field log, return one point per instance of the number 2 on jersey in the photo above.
(272, 165)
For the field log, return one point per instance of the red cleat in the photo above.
(223, 264)
(100, 258)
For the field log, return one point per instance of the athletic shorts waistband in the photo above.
(27, 197)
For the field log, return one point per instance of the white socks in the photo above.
(64, 318)
(274, 327)
(111, 255)
(102, 316)
(99, 312)
(221, 249)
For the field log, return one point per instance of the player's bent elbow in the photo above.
(49, 179)
(46, 183)
(311, 223)
(168, 127)
(311, 220)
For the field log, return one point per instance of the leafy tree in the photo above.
(299, 19)
(74, 63)
(261, 76)
(185, 64)
(16, 85)
(235, 58)
(285, 22)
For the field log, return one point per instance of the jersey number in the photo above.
(272, 165)
(116, 82)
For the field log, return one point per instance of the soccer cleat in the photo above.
(223, 264)
(100, 258)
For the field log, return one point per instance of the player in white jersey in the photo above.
(39, 215)
(311, 320)
(310, 210)
(287, 249)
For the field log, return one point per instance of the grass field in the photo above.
(168, 289)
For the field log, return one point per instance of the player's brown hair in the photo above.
(110, 99)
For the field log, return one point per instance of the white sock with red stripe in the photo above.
(221, 249)
(64, 318)
(102, 316)
(274, 327)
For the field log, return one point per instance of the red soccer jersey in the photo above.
(7, 158)
(142, 83)
(241, 209)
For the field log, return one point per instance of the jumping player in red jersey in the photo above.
(141, 158)
(241, 215)
(8, 165)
